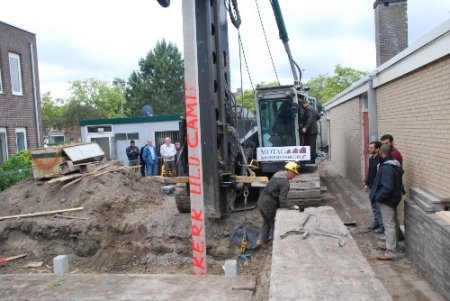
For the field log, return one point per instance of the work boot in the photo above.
(385, 258)
(260, 244)
(379, 230)
(388, 255)
(373, 227)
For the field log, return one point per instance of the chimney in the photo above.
(391, 28)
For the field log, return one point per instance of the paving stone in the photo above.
(325, 271)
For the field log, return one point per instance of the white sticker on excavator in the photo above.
(286, 153)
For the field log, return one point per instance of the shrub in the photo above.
(17, 168)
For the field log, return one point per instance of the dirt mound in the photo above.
(130, 226)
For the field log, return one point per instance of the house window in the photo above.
(3, 145)
(21, 139)
(16, 74)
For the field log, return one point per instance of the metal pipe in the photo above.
(372, 108)
(35, 96)
(284, 37)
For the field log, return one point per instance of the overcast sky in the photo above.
(105, 39)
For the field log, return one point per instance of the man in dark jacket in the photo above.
(387, 191)
(133, 154)
(274, 195)
(374, 159)
(396, 155)
(309, 127)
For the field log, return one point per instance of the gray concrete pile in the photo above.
(427, 237)
(305, 190)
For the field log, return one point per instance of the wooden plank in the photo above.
(16, 257)
(65, 178)
(250, 179)
(71, 183)
(39, 213)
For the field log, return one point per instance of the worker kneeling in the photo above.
(274, 196)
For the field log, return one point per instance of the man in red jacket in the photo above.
(389, 140)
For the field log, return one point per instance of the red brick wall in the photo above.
(18, 111)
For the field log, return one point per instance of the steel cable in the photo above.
(267, 42)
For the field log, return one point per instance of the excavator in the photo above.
(222, 165)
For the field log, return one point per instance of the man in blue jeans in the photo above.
(374, 160)
(150, 158)
(387, 191)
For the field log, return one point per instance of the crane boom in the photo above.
(285, 39)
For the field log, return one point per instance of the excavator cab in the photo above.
(278, 118)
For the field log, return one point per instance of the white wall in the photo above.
(118, 148)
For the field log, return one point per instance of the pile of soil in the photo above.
(132, 227)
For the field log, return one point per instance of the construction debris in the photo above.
(51, 162)
(34, 264)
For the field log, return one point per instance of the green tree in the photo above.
(247, 100)
(52, 113)
(94, 98)
(325, 87)
(159, 82)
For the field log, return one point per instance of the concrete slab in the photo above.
(125, 287)
(316, 268)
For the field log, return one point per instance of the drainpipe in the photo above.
(372, 106)
(35, 98)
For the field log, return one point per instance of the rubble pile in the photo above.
(125, 225)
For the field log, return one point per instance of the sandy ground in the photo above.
(134, 228)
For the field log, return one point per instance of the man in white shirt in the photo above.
(168, 153)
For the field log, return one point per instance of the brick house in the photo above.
(407, 96)
(20, 103)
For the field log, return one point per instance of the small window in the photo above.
(16, 74)
(99, 129)
(365, 103)
(56, 139)
(1, 81)
(121, 137)
(3, 145)
(133, 136)
(21, 139)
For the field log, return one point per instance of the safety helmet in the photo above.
(292, 166)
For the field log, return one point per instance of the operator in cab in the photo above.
(308, 127)
(274, 196)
